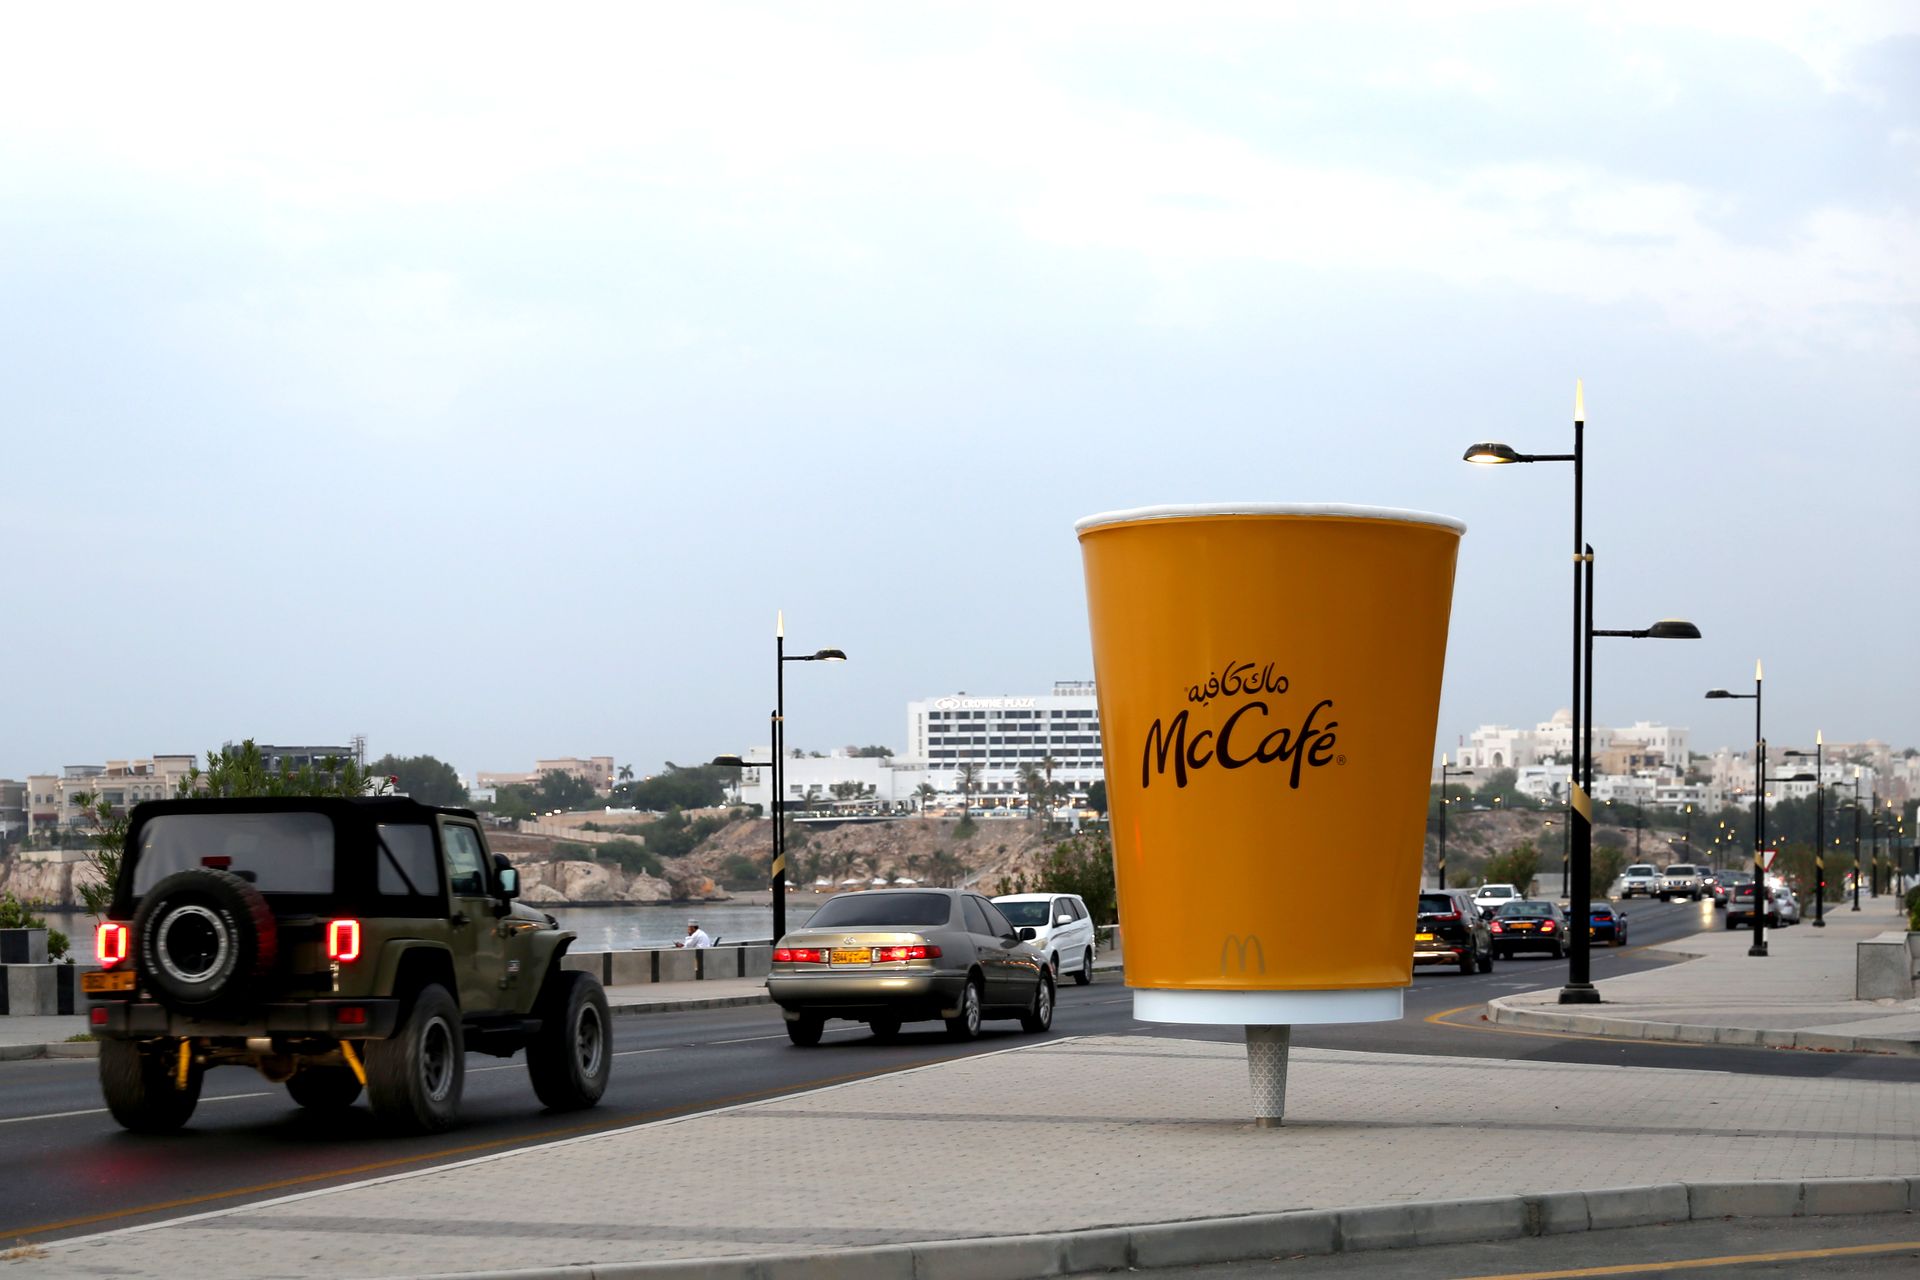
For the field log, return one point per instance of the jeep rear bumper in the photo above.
(137, 1019)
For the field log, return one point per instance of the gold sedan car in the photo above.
(890, 956)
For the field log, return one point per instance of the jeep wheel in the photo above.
(570, 1058)
(140, 1086)
(414, 1079)
(325, 1088)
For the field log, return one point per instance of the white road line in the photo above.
(100, 1111)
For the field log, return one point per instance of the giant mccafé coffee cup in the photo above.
(1269, 683)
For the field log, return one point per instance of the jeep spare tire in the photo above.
(203, 938)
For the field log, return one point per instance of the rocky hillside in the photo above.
(927, 849)
(50, 885)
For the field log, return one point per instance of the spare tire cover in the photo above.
(203, 938)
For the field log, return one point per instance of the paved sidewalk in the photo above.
(1158, 1132)
(1798, 996)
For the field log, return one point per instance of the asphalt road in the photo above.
(70, 1170)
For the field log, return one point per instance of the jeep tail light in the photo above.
(97, 1016)
(800, 955)
(351, 1015)
(906, 953)
(110, 943)
(343, 940)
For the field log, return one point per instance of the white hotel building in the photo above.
(999, 736)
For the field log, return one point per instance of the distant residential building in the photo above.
(598, 771)
(13, 811)
(294, 759)
(53, 800)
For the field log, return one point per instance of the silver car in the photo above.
(889, 956)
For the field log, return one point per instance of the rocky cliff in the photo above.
(53, 886)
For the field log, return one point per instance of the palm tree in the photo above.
(626, 773)
(925, 792)
(969, 783)
(1036, 788)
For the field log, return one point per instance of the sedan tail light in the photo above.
(1546, 926)
(800, 955)
(1496, 927)
(110, 943)
(906, 953)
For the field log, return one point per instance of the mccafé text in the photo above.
(1311, 745)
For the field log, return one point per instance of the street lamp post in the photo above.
(1819, 828)
(778, 878)
(1580, 808)
(1856, 837)
(1446, 773)
(1580, 954)
(1759, 947)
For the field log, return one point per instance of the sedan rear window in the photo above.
(276, 852)
(1436, 904)
(1526, 909)
(906, 910)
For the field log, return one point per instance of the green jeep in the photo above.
(333, 945)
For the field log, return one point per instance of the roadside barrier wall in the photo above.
(727, 960)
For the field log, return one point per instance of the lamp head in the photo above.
(1673, 629)
(728, 762)
(1718, 693)
(830, 655)
(1490, 451)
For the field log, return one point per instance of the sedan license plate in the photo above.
(122, 981)
(1523, 928)
(851, 955)
(1423, 937)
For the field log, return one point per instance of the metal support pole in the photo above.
(1819, 832)
(1580, 988)
(1856, 839)
(779, 877)
(1267, 1073)
(1759, 947)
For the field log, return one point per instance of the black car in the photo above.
(1740, 907)
(1448, 930)
(1529, 925)
(1607, 923)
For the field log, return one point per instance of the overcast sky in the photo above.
(482, 381)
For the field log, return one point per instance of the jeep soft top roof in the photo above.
(355, 820)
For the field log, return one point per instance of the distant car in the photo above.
(1449, 929)
(1607, 923)
(889, 956)
(1058, 925)
(1726, 882)
(1639, 878)
(1740, 907)
(1681, 880)
(1489, 898)
(1529, 925)
(1786, 906)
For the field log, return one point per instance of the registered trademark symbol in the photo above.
(1339, 759)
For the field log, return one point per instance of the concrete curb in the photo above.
(1502, 1010)
(1200, 1241)
(59, 1049)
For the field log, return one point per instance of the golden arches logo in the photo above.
(1238, 945)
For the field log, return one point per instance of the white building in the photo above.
(887, 781)
(1001, 735)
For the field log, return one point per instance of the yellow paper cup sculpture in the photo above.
(1269, 683)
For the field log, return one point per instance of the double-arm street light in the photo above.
(1579, 808)
(1446, 773)
(1856, 837)
(1759, 947)
(1819, 825)
(781, 658)
(1580, 899)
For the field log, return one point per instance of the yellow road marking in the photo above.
(1700, 1264)
(623, 1119)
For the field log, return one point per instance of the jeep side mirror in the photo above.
(509, 883)
(1028, 933)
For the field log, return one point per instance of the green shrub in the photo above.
(15, 914)
(630, 856)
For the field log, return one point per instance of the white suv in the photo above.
(1489, 898)
(1681, 880)
(1057, 924)
(1639, 878)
